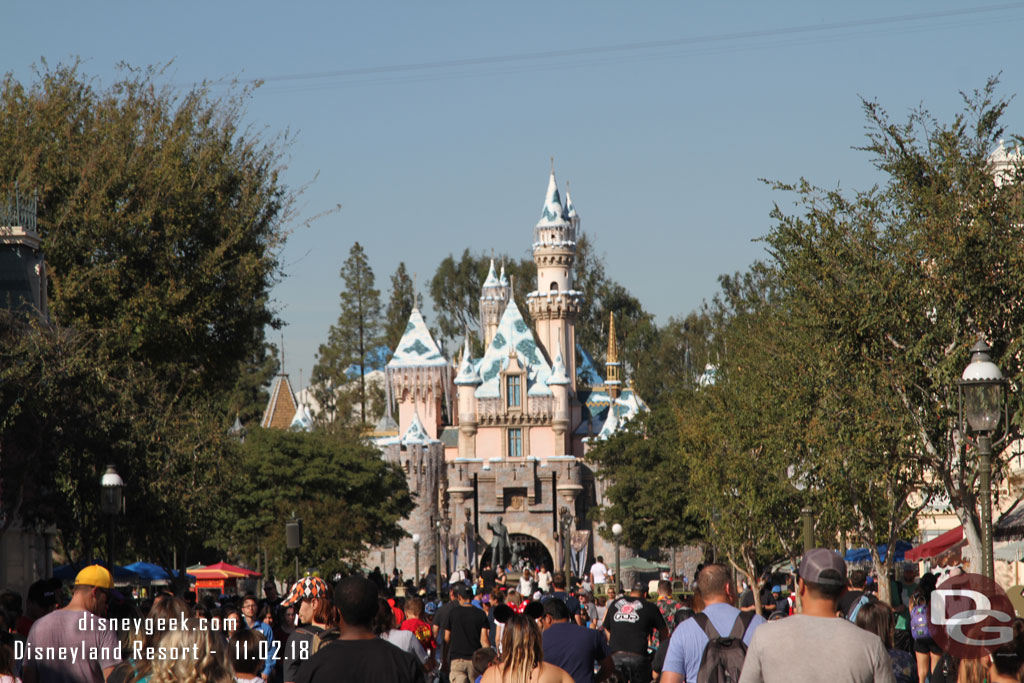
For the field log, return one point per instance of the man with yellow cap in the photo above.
(66, 645)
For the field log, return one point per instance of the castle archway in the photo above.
(536, 541)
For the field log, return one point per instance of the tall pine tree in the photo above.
(353, 339)
(403, 299)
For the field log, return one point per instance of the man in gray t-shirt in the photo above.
(817, 645)
(89, 654)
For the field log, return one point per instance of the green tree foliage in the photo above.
(350, 341)
(69, 411)
(403, 299)
(341, 489)
(162, 216)
(901, 281)
(456, 287)
(646, 483)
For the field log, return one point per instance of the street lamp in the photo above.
(416, 552)
(617, 533)
(565, 523)
(806, 514)
(981, 398)
(293, 539)
(111, 502)
(437, 556)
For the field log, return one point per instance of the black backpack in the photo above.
(722, 660)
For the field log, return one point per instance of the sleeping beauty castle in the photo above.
(502, 436)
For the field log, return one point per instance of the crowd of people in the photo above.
(542, 627)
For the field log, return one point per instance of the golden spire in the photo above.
(613, 347)
(613, 369)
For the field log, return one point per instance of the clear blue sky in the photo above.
(663, 141)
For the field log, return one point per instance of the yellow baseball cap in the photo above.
(95, 575)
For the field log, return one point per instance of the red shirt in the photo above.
(421, 630)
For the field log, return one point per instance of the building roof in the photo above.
(627, 406)
(415, 435)
(417, 347)
(302, 420)
(570, 208)
(467, 375)
(558, 371)
(553, 215)
(513, 334)
(492, 279)
(586, 373)
(281, 407)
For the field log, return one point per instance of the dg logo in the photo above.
(970, 616)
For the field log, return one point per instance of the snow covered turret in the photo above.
(493, 299)
(559, 383)
(466, 382)
(417, 377)
(554, 305)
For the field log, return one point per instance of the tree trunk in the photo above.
(972, 553)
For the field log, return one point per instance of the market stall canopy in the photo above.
(1010, 526)
(951, 540)
(859, 555)
(640, 564)
(222, 570)
(150, 572)
(1012, 552)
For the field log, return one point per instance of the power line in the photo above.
(711, 43)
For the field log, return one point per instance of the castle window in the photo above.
(512, 395)
(515, 443)
(554, 286)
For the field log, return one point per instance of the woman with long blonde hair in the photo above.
(522, 658)
(194, 654)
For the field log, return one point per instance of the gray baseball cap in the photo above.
(824, 567)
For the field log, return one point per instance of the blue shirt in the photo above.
(268, 635)
(575, 649)
(686, 648)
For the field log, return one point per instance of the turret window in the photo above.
(554, 286)
(512, 393)
(515, 443)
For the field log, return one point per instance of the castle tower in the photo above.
(417, 377)
(554, 305)
(22, 268)
(559, 383)
(493, 299)
(613, 368)
(466, 382)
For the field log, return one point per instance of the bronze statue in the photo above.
(500, 546)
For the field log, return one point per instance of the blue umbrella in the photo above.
(150, 572)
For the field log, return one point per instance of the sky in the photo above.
(432, 124)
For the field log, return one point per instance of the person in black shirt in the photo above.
(358, 655)
(629, 623)
(848, 600)
(465, 631)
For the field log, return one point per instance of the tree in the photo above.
(345, 494)
(403, 299)
(456, 288)
(646, 483)
(162, 216)
(912, 275)
(353, 339)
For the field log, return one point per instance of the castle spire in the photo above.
(553, 214)
(613, 368)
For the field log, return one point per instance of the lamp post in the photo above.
(437, 556)
(111, 502)
(806, 515)
(416, 552)
(565, 524)
(293, 539)
(981, 398)
(617, 533)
